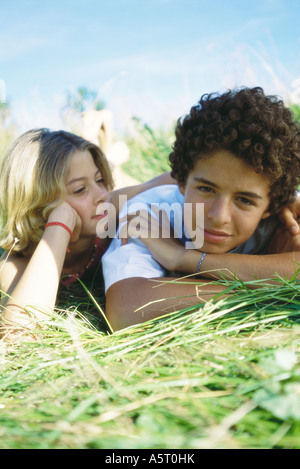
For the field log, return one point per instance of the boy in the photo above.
(238, 154)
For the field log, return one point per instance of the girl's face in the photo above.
(86, 191)
(235, 199)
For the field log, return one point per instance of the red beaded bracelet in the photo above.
(58, 223)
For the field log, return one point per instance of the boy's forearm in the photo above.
(246, 267)
(152, 298)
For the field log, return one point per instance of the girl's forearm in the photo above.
(37, 289)
(132, 191)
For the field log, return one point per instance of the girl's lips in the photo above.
(215, 236)
(100, 216)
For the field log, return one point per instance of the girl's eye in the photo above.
(100, 181)
(79, 191)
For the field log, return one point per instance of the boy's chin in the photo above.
(216, 249)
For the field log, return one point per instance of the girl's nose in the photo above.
(100, 194)
(220, 212)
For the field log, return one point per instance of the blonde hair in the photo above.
(32, 182)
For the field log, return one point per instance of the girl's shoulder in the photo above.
(15, 258)
(12, 267)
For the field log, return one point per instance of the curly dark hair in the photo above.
(257, 128)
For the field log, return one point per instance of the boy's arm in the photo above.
(282, 257)
(284, 260)
(136, 287)
(136, 300)
(248, 267)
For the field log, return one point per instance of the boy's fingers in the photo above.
(288, 219)
(294, 229)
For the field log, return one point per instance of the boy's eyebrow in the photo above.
(253, 195)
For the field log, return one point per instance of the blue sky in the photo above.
(149, 58)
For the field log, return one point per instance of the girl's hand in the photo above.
(66, 214)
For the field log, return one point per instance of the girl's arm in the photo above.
(131, 191)
(32, 283)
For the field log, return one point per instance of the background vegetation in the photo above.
(225, 375)
(222, 375)
(149, 150)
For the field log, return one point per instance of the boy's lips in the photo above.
(216, 236)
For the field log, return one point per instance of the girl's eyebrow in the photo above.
(82, 178)
(253, 195)
(75, 180)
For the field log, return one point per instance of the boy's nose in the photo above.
(220, 212)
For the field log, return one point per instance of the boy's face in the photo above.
(235, 199)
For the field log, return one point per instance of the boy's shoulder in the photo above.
(258, 242)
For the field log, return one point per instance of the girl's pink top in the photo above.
(98, 251)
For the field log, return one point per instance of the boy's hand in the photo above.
(156, 233)
(146, 225)
(283, 241)
(290, 215)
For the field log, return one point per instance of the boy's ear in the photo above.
(266, 215)
(181, 189)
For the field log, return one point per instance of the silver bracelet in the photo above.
(200, 262)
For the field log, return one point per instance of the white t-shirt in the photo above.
(135, 260)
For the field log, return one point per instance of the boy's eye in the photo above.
(205, 189)
(245, 201)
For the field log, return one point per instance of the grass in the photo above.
(225, 375)
(149, 151)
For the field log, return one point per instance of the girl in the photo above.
(55, 187)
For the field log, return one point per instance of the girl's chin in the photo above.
(103, 232)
